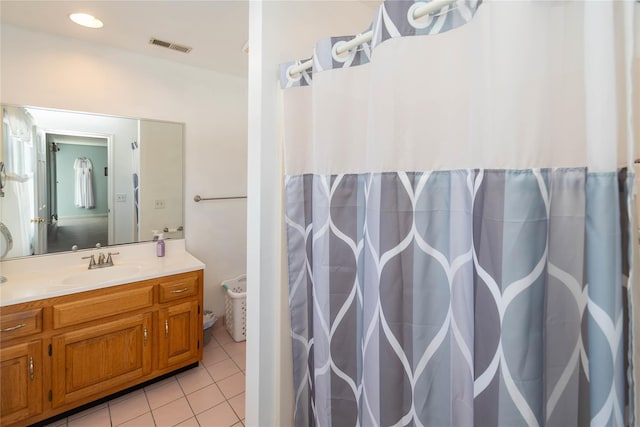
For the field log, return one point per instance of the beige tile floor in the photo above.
(210, 395)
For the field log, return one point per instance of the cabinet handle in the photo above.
(31, 374)
(13, 328)
(179, 291)
(166, 328)
(144, 334)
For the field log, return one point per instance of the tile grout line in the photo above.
(184, 395)
(235, 412)
(153, 418)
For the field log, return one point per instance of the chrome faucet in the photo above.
(109, 261)
(92, 261)
(103, 260)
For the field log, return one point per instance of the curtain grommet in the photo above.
(295, 78)
(342, 58)
(422, 22)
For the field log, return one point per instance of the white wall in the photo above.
(56, 72)
(160, 179)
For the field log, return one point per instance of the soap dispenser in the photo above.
(160, 245)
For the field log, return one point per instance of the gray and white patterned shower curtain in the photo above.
(455, 220)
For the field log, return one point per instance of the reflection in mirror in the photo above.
(74, 180)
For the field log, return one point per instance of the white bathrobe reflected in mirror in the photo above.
(84, 183)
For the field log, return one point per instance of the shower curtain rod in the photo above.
(418, 13)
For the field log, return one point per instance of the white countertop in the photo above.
(46, 276)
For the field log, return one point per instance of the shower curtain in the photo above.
(18, 152)
(456, 207)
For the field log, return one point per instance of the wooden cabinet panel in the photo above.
(91, 360)
(179, 334)
(87, 309)
(59, 353)
(20, 324)
(171, 289)
(21, 384)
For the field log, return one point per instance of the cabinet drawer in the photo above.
(111, 304)
(20, 324)
(178, 287)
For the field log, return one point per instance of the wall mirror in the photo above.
(73, 180)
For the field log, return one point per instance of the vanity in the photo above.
(70, 335)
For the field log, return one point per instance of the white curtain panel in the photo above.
(458, 218)
(523, 84)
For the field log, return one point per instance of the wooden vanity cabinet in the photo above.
(100, 357)
(21, 381)
(81, 347)
(21, 364)
(179, 339)
(20, 324)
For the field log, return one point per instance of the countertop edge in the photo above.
(191, 264)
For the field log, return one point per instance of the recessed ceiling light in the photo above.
(86, 20)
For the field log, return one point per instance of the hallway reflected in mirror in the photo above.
(82, 232)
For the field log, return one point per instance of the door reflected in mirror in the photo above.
(74, 180)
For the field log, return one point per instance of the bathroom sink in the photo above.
(99, 275)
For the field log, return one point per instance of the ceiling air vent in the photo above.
(169, 45)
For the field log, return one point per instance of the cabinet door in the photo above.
(179, 334)
(92, 360)
(21, 385)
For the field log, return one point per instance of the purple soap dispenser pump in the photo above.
(160, 245)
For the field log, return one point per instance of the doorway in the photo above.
(78, 191)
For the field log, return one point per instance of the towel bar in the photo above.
(197, 198)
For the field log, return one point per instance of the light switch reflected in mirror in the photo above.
(74, 180)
